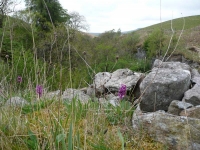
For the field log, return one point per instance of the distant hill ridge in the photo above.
(177, 24)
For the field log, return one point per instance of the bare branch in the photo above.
(78, 22)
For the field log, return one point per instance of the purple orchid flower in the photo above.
(19, 79)
(122, 91)
(39, 90)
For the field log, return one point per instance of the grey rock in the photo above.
(54, 94)
(114, 101)
(69, 94)
(195, 73)
(177, 132)
(91, 90)
(195, 146)
(196, 80)
(193, 95)
(84, 89)
(193, 112)
(195, 77)
(16, 102)
(100, 80)
(122, 76)
(164, 86)
(176, 107)
(171, 65)
(110, 96)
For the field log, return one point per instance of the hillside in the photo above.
(177, 24)
(187, 34)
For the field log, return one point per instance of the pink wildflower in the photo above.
(122, 91)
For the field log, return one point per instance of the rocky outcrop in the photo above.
(122, 76)
(177, 132)
(164, 86)
(109, 83)
(167, 88)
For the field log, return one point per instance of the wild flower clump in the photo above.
(122, 91)
(39, 90)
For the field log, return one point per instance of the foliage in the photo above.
(129, 44)
(47, 11)
(154, 44)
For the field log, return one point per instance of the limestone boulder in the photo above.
(161, 86)
(176, 107)
(195, 80)
(193, 95)
(193, 112)
(195, 77)
(171, 65)
(176, 132)
(100, 80)
(123, 76)
(69, 94)
(195, 73)
(91, 91)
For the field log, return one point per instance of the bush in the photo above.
(154, 44)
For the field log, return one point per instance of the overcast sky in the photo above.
(105, 15)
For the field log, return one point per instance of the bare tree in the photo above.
(77, 22)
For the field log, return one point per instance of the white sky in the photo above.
(104, 15)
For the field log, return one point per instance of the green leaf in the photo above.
(70, 141)
(121, 138)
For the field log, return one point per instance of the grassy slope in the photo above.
(190, 22)
(189, 37)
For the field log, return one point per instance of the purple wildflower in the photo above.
(19, 79)
(39, 90)
(122, 91)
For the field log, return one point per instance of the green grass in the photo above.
(190, 22)
(72, 125)
(188, 37)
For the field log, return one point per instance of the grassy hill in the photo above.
(177, 24)
(186, 31)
